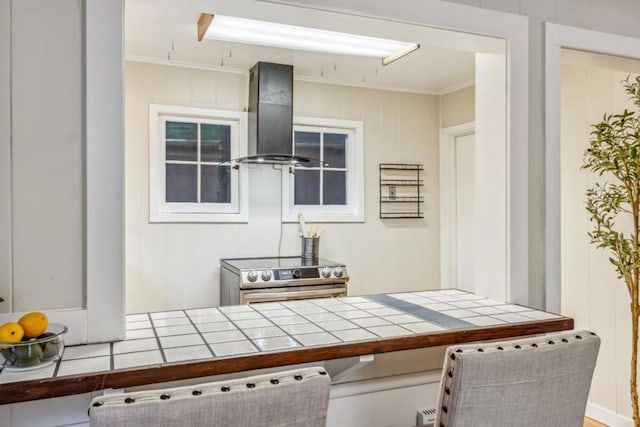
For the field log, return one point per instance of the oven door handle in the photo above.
(282, 296)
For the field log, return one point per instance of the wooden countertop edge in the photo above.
(23, 391)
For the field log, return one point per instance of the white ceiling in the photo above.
(164, 31)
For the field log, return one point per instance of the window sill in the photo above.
(311, 217)
(198, 218)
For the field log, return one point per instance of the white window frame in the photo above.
(353, 211)
(159, 209)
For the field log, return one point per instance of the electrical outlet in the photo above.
(392, 192)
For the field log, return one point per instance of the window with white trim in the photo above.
(332, 191)
(191, 176)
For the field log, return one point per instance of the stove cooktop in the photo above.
(280, 273)
(278, 262)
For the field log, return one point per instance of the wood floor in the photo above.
(588, 422)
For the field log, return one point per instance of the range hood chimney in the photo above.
(271, 116)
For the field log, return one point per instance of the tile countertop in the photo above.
(180, 344)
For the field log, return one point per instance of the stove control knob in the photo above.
(296, 274)
(252, 276)
(266, 275)
(326, 272)
(338, 272)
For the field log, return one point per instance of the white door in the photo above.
(464, 215)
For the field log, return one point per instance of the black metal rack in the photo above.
(407, 201)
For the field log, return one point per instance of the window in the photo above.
(192, 179)
(334, 191)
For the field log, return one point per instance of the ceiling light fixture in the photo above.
(241, 30)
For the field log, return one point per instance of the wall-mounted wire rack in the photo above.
(401, 194)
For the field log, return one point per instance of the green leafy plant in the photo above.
(613, 153)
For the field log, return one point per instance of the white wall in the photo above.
(41, 155)
(613, 16)
(5, 153)
(590, 291)
(177, 265)
(490, 185)
(458, 107)
(487, 97)
(61, 247)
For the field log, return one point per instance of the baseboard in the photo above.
(606, 416)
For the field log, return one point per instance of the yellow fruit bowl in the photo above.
(35, 352)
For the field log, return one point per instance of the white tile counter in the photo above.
(181, 344)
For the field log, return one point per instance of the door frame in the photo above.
(448, 205)
(558, 37)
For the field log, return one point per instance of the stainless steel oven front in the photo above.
(271, 279)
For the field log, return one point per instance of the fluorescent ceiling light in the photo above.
(240, 30)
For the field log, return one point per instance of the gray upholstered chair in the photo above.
(541, 381)
(292, 398)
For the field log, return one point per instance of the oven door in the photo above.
(292, 293)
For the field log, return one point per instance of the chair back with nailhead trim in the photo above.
(293, 398)
(541, 381)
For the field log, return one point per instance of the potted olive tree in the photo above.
(614, 154)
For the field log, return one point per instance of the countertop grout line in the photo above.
(242, 332)
(287, 334)
(155, 333)
(316, 324)
(206, 343)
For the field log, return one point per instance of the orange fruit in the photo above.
(34, 324)
(11, 332)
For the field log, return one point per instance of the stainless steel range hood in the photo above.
(271, 117)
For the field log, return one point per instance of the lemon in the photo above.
(34, 324)
(11, 332)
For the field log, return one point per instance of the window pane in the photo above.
(334, 188)
(335, 149)
(307, 144)
(182, 183)
(216, 184)
(182, 141)
(307, 187)
(215, 143)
